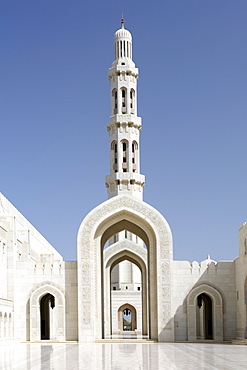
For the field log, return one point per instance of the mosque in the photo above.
(125, 281)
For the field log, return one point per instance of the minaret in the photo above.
(125, 126)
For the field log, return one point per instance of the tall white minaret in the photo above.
(125, 126)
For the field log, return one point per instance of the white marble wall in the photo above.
(220, 276)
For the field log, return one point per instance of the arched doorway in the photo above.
(110, 218)
(127, 318)
(47, 313)
(47, 303)
(204, 317)
(205, 313)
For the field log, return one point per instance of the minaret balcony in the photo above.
(125, 176)
(127, 119)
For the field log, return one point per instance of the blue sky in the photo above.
(55, 105)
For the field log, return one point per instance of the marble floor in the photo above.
(117, 356)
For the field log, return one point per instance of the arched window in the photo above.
(125, 155)
(114, 101)
(124, 92)
(114, 156)
(134, 155)
(132, 101)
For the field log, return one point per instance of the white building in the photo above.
(125, 278)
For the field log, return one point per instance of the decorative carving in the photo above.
(165, 293)
(165, 272)
(85, 273)
(86, 293)
(166, 313)
(86, 313)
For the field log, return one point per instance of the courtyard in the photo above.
(117, 356)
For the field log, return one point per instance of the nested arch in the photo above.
(117, 214)
(217, 310)
(137, 258)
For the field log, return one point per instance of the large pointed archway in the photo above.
(111, 217)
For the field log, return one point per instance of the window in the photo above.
(123, 100)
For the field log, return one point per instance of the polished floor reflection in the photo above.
(117, 356)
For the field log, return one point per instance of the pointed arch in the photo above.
(35, 296)
(217, 311)
(114, 103)
(127, 250)
(133, 310)
(114, 215)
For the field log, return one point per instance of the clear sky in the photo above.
(55, 105)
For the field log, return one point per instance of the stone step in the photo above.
(125, 341)
(242, 342)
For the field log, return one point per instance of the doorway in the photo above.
(47, 303)
(204, 317)
(127, 318)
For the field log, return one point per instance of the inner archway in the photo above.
(123, 252)
(127, 284)
(127, 318)
(47, 302)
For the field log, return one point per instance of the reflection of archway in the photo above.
(47, 303)
(40, 300)
(211, 314)
(113, 216)
(121, 317)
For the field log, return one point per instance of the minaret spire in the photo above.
(124, 126)
(122, 21)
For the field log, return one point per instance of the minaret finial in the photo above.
(122, 20)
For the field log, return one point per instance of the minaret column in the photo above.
(124, 126)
